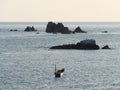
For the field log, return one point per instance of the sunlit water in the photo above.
(27, 63)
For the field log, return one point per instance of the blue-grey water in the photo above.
(27, 63)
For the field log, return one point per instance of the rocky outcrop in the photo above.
(79, 30)
(57, 28)
(60, 28)
(28, 29)
(88, 44)
(51, 27)
(106, 47)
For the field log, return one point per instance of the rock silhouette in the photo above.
(104, 31)
(13, 30)
(57, 28)
(28, 29)
(106, 47)
(60, 28)
(88, 44)
(79, 30)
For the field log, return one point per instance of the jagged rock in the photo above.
(60, 28)
(28, 28)
(51, 27)
(88, 44)
(106, 47)
(79, 30)
(57, 28)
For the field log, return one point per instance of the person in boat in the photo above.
(58, 73)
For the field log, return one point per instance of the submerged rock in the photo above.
(28, 28)
(104, 31)
(88, 44)
(38, 33)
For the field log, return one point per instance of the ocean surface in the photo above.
(27, 63)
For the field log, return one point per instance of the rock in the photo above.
(104, 31)
(79, 30)
(106, 47)
(28, 28)
(13, 30)
(51, 27)
(37, 33)
(88, 44)
(66, 31)
(57, 28)
(60, 28)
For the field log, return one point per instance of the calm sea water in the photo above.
(27, 63)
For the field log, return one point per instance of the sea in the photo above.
(27, 63)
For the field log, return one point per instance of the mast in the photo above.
(55, 69)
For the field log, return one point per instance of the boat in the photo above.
(59, 73)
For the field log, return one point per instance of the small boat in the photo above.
(59, 73)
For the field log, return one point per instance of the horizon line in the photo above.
(61, 21)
